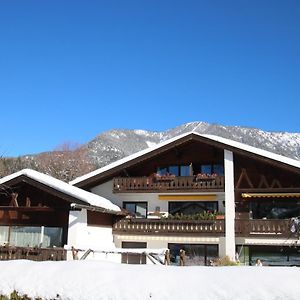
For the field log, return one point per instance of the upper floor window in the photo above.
(177, 170)
(212, 169)
(138, 209)
(192, 169)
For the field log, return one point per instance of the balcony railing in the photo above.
(270, 228)
(169, 227)
(37, 254)
(243, 228)
(184, 183)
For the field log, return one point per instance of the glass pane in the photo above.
(211, 206)
(206, 169)
(130, 207)
(4, 235)
(184, 170)
(25, 236)
(212, 253)
(162, 171)
(194, 254)
(174, 170)
(141, 210)
(218, 169)
(52, 237)
(191, 207)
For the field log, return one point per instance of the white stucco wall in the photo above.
(82, 236)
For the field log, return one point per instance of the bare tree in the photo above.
(67, 162)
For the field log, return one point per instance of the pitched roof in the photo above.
(222, 142)
(86, 197)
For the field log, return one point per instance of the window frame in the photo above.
(135, 203)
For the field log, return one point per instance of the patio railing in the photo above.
(191, 183)
(243, 228)
(270, 228)
(169, 227)
(37, 254)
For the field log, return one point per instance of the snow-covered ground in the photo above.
(80, 280)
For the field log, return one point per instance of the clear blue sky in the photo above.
(70, 70)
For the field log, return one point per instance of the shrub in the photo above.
(225, 261)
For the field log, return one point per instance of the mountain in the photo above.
(118, 143)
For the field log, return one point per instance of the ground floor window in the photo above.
(196, 254)
(269, 255)
(133, 258)
(138, 209)
(192, 207)
(31, 236)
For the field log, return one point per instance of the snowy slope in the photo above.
(93, 280)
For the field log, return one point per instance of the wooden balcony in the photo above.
(183, 183)
(37, 254)
(276, 228)
(243, 228)
(169, 227)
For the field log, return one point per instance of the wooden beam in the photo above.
(245, 176)
(263, 182)
(276, 183)
(27, 209)
(28, 202)
(14, 201)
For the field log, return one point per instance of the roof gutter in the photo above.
(75, 206)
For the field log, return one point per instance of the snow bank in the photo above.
(90, 280)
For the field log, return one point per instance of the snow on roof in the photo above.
(87, 197)
(254, 150)
(231, 143)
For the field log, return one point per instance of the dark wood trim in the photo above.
(52, 191)
(268, 190)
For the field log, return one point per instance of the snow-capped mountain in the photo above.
(115, 144)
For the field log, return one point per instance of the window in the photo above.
(133, 258)
(206, 169)
(218, 169)
(174, 170)
(274, 208)
(138, 209)
(212, 169)
(191, 207)
(31, 236)
(177, 170)
(185, 170)
(196, 255)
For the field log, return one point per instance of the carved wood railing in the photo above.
(169, 227)
(37, 254)
(269, 228)
(243, 228)
(131, 184)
